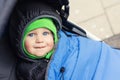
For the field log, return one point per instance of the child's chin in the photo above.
(39, 54)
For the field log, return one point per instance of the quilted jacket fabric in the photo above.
(79, 58)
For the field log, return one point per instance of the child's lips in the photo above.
(39, 47)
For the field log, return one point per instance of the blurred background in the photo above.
(100, 18)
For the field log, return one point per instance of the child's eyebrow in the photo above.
(47, 30)
(31, 31)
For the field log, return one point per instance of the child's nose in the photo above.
(39, 39)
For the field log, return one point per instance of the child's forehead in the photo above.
(40, 29)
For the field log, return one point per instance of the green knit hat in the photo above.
(40, 23)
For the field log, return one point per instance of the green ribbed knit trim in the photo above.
(40, 23)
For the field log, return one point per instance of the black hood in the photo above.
(22, 15)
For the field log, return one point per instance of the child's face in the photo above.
(39, 42)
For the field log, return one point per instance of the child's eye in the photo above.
(45, 33)
(31, 34)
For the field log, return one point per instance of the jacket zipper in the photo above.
(62, 70)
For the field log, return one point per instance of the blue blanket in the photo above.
(79, 58)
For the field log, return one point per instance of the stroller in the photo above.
(7, 58)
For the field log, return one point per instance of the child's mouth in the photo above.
(39, 47)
